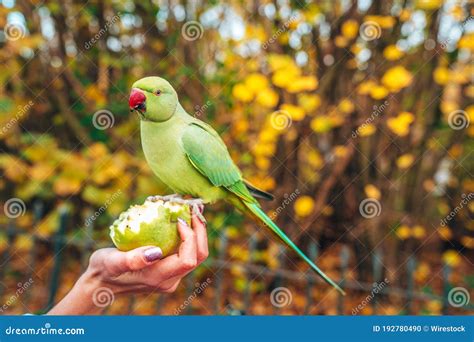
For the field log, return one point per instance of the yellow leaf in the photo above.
(277, 62)
(403, 232)
(467, 42)
(434, 306)
(400, 125)
(256, 82)
(267, 98)
(372, 191)
(397, 78)
(315, 160)
(445, 233)
(392, 53)
(418, 232)
(303, 83)
(366, 87)
(378, 92)
(429, 5)
(340, 151)
(406, 117)
(350, 29)
(346, 106)
(405, 161)
(468, 242)
(422, 272)
(304, 206)
(41, 171)
(23, 243)
(296, 113)
(341, 42)
(451, 258)
(263, 163)
(405, 15)
(97, 150)
(441, 75)
(366, 130)
(321, 124)
(66, 185)
(385, 22)
(309, 102)
(284, 77)
(240, 92)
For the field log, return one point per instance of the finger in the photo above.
(177, 265)
(187, 252)
(201, 239)
(117, 262)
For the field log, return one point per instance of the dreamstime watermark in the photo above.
(465, 200)
(108, 24)
(103, 119)
(458, 297)
(377, 288)
(22, 110)
(103, 208)
(192, 30)
(21, 288)
(370, 30)
(282, 29)
(200, 110)
(458, 120)
(14, 31)
(370, 208)
(102, 297)
(288, 199)
(199, 288)
(46, 330)
(281, 296)
(377, 110)
(280, 120)
(14, 207)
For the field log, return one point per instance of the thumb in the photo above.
(120, 262)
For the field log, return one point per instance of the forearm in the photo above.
(79, 301)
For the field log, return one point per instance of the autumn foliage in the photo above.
(359, 118)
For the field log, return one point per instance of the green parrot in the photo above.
(189, 157)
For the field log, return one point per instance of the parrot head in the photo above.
(153, 98)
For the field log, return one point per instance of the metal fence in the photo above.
(219, 263)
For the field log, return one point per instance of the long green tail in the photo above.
(257, 211)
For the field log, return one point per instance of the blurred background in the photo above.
(357, 115)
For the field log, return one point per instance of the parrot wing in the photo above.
(209, 155)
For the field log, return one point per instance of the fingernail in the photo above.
(201, 208)
(183, 222)
(153, 254)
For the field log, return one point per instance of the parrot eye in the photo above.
(158, 92)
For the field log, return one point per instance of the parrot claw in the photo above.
(198, 209)
(196, 204)
(163, 198)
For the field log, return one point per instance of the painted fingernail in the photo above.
(201, 208)
(183, 222)
(153, 254)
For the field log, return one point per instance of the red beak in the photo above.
(137, 99)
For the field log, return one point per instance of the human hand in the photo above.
(140, 270)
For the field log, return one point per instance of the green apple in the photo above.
(154, 223)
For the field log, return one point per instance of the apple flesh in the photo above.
(153, 223)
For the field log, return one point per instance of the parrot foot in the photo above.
(196, 204)
(163, 198)
(198, 209)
